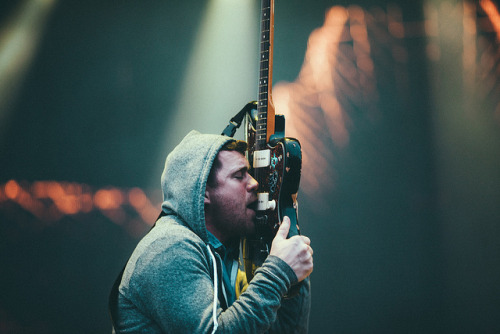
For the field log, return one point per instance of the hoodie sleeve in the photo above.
(174, 288)
(257, 308)
(262, 303)
(293, 315)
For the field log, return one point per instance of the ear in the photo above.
(207, 195)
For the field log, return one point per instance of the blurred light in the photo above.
(50, 201)
(141, 203)
(137, 198)
(469, 38)
(395, 21)
(490, 57)
(222, 69)
(492, 11)
(18, 41)
(310, 104)
(108, 199)
(11, 189)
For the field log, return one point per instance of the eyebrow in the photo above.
(241, 169)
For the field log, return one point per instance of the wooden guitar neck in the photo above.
(265, 107)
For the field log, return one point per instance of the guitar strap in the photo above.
(236, 121)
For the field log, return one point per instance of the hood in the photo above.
(185, 176)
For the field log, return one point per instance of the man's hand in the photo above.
(296, 251)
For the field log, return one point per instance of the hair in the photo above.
(234, 145)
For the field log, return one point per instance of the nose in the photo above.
(252, 184)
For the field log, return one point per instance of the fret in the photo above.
(264, 87)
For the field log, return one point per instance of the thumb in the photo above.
(284, 228)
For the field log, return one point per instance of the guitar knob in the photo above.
(263, 202)
(271, 205)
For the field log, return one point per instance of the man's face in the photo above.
(231, 198)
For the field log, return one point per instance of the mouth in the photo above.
(253, 206)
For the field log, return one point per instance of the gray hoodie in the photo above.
(168, 285)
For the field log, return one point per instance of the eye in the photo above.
(240, 175)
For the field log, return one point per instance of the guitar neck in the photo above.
(265, 107)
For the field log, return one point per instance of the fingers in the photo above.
(303, 243)
(306, 240)
(295, 251)
(306, 261)
(309, 250)
(284, 228)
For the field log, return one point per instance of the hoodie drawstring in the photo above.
(214, 313)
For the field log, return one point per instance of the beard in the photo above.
(233, 221)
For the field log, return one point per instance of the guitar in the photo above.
(275, 159)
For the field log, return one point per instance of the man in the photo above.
(183, 276)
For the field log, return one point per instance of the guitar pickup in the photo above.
(261, 158)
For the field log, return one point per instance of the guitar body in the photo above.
(280, 180)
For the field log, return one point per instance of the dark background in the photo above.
(406, 236)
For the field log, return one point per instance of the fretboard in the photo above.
(265, 108)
